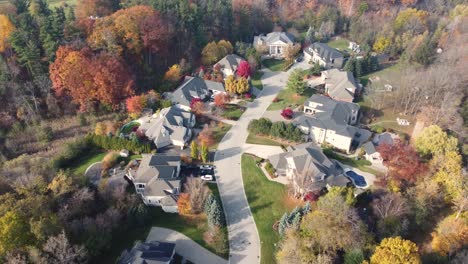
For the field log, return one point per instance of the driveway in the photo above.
(243, 236)
(186, 247)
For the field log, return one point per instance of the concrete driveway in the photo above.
(262, 151)
(243, 236)
(186, 247)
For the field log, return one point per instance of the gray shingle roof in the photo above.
(325, 52)
(369, 148)
(194, 87)
(342, 85)
(230, 61)
(272, 37)
(152, 252)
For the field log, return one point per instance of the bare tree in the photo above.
(198, 193)
(15, 258)
(390, 205)
(60, 251)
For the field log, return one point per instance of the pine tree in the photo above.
(283, 224)
(309, 35)
(307, 208)
(204, 153)
(296, 81)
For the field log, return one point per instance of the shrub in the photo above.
(214, 212)
(247, 96)
(287, 113)
(117, 143)
(260, 126)
(183, 204)
(269, 168)
(45, 134)
(109, 161)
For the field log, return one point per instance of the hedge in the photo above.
(118, 143)
(270, 169)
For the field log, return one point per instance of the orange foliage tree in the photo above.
(135, 105)
(6, 28)
(97, 8)
(221, 99)
(86, 77)
(173, 74)
(206, 136)
(450, 236)
(183, 204)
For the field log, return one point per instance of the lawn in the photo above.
(288, 98)
(52, 3)
(256, 80)
(388, 75)
(254, 139)
(361, 164)
(232, 111)
(274, 64)
(268, 202)
(84, 162)
(218, 133)
(339, 44)
(127, 128)
(193, 227)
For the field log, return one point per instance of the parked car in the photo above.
(298, 59)
(206, 167)
(357, 179)
(207, 177)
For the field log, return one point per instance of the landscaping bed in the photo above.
(268, 201)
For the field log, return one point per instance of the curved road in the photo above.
(244, 241)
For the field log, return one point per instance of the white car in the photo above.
(206, 167)
(207, 177)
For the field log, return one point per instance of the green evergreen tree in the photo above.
(204, 153)
(194, 150)
(283, 224)
(296, 81)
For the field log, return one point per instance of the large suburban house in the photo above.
(324, 55)
(274, 43)
(329, 121)
(172, 125)
(152, 252)
(370, 151)
(229, 64)
(155, 178)
(307, 168)
(340, 85)
(194, 87)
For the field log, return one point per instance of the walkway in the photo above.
(186, 247)
(243, 236)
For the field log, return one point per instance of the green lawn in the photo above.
(274, 64)
(288, 98)
(82, 164)
(254, 139)
(127, 128)
(52, 3)
(388, 75)
(232, 111)
(218, 134)
(339, 44)
(193, 227)
(256, 80)
(361, 164)
(267, 203)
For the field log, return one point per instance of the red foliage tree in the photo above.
(135, 104)
(287, 113)
(403, 162)
(244, 69)
(86, 77)
(206, 136)
(221, 99)
(197, 106)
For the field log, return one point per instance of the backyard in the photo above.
(256, 80)
(274, 64)
(268, 201)
(192, 226)
(289, 98)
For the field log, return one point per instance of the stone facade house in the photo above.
(156, 179)
(194, 87)
(274, 43)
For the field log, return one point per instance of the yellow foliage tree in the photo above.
(6, 28)
(381, 44)
(450, 236)
(173, 74)
(448, 169)
(408, 14)
(242, 85)
(226, 46)
(434, 140)
(230, 84)
(100, 128)
(395, 250)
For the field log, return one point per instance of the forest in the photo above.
(71, 68)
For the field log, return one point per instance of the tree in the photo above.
(194, 150)
(451, 235)
(100, 129)
(391, 210)
(433, 140)
(95, 8)
(183, 204)
(205, 137)
(221, 99)
(226, 47)
(198, 192)
(197, 106)
(395, 250)
(296, 81)
(204, 153)
(230, 84)
(448, 172)
(291, 51)
(260, 126)
(244, 69)
(6, 28)
(60, 251)
(173, 74)
(402, 161)
(14, 232)
(242, 85)
(309, 38)
(211, 53)
(381, 44)
(135, 105)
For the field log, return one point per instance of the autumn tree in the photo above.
(86, 77)
(226, 47)
(198, 193)
(433, 140)
(221, 99)
(197, 106)
(230, 84)
(173, 74)
(391, 210)
(242, 85)
(6, 28)
(244, 69)
(135, 105)
(204, 153)
(59, 250)
(194, 150)
(395, 250)
(213, 51)
(403, 163)
(205, 137)
(183, 204)
(448, 172)
(381, 44)
(95, 8)
(14, 232)
(291, 51)
(451, 235)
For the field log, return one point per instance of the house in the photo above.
(194, 87)
(274, 43)
(385, 138)
(229, 64)
(340, 85)
(324, 55)
(330, 121)
(305, 164)
(371, 154)
(171, 125)
(154, 252)
(155, 178)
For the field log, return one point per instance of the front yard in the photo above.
(232, 111)
(256, 80)
(289, 98)
(260, 140)
(274, 64)
(218, 133)
(268, 201)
